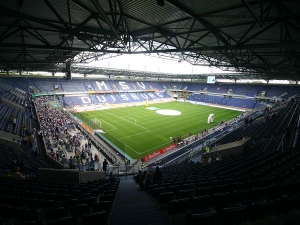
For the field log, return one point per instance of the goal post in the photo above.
(95, 123)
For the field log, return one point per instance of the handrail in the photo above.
(194, 152)
(99, 146)
(296, 133)
(277, 130)
(288, 125)
(123, 169)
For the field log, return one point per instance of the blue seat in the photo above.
(102, 206)
(204, 218)
(200, 203)
(62, 221)
(233, 216)
(178, 206)
(56, 213)
(260, 210)
(99, 218)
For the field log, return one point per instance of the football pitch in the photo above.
(141, 130)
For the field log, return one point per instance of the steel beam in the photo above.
(295, 45)
(252, 12)
(210, 27)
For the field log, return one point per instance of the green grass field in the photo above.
(139, 131)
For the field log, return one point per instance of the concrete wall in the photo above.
(7, 140)
(69, 175)
(233, 148)
(17, 94)
(90, 175)
(14, 105)
(18, 89)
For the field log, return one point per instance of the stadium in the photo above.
(175, 112)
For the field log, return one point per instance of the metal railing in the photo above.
(122, 169)
(211, 138)
(111, 157)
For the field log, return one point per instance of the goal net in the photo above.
(95, 123)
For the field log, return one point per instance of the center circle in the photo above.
(168, 112)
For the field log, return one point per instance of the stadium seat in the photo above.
(165, 198)
(258, 194)
(260, 210)
(56, 213)
(62, 221)
(102, 206)
(283, 205)
(220, 200)
(178, 206)
(79, 210)
(108, 197)
(221, 188)
(203, 191)
(186, 194)
(6, 214)
(239, 197)
(233, 216)
(21, 214)
(200, 203)
(204, 218)
(99, 218)
(156, 191)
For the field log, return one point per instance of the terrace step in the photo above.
(134, 207)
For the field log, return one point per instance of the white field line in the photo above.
(132, 150)
(110, 125)
(133, 119)
(156, 148)
(167, 143)
(129, 121)
(134, 134)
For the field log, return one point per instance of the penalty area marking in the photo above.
(156, 148)
(114, 128)
(168, 112)
(133, 120)
(130, 121)
(134, 135)
(138, 153)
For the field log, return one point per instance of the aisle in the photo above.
(134, 207)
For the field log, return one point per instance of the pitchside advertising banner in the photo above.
(87, 128)
(159, 152)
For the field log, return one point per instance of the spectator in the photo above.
(137, 177)
(204, 161)
(111, 177)
(147, 180)
(104, 166)
(17, 175)
(92, 165)
(157, 176)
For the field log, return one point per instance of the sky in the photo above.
(153, 64)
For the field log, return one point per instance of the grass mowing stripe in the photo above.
(141, 131)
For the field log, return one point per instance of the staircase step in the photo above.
(134, 207)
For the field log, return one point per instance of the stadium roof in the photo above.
(257, 37)
(115, 73)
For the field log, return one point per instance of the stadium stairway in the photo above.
(133, 207)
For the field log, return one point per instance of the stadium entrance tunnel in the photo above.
(168, 112)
